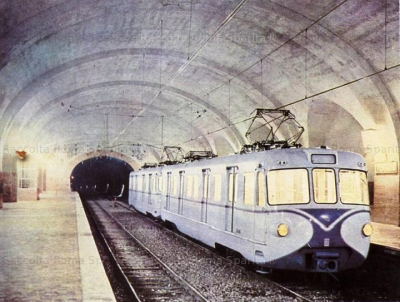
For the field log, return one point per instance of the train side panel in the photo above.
(229, 202)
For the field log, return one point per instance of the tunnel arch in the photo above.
(101, 175)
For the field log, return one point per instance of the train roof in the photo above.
(278, 159)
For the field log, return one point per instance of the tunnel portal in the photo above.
(101, 175)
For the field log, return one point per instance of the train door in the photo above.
(259, 208)
(168, 195)
(206, 193)
(181, 190)
(232, 198)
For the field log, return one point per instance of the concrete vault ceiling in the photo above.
(80, 77)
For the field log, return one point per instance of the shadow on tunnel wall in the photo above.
(102, 175)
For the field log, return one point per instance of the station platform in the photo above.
(386, 235)
(48, 252)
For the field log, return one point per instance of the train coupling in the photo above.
(326, 261)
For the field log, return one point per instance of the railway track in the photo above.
(149, 278)
(142, 281)
(289, 291)
(357, 286)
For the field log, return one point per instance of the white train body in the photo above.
(299, 209)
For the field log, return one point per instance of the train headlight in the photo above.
(367, 230)
(283, 230)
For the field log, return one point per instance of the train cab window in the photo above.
(324, 184)
(353, 187)
(288, 187)
(195, 186)
(217, 187)
(189, 186)
(249, 188)
(261, 190)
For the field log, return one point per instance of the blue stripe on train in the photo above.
(323, 238)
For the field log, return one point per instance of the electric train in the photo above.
(304, 209)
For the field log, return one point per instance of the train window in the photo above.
(160, 183)
(206, 183)
(261, 190)
(154, 184)
(144, 183)
(139, 183)
(288, 186)
(150, 183)
(189, 186)
(195, 186)
(353, 187)
(132, 183)
(181, 183)
(249, 188)
(174, 185)
(217, 187)
(324, 184)
(168, 186)
(232, 191)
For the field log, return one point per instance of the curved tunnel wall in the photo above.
(73, 75)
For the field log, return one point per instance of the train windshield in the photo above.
(324, 184)
(353, 187)
(288, 187)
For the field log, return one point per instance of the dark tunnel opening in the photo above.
(102, 175)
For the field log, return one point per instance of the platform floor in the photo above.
(386, 235)
(48, 252)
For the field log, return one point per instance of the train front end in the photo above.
(321, 214)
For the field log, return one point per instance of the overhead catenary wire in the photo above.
(196, 53)
(297, 101)
(265, 57)
(186, 64)
(277, 48)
